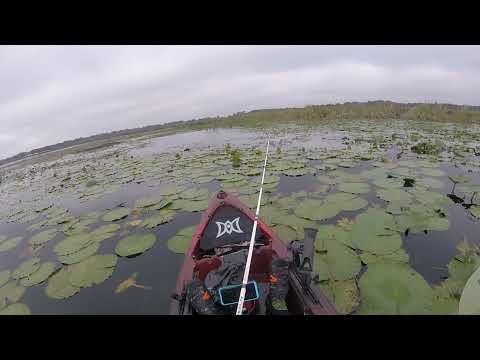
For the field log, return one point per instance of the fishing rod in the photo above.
(243, 290)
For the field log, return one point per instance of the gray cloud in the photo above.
(55, 93)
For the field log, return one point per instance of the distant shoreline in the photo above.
(255, 118)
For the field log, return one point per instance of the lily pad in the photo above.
(26, 268)
(344, 294)
(285, 233)
(293, 221)
(59, 287)
(72, 244)
(475, 211)
(43, 237)
(11, 292)
(394, 195)
(332, 232)
(10, 243)
(316, 210)
(180, 242)
(116, 214)
(399, 256)
(135, 244)
(93, 270)
(158, 219)
(39, 276)
(4, 277)
(335, 261)
(431, 183)
(432, 172)
(104, 232)
(80, 255)
(394, 288)
(354, 188)
(372, 232)
(16, 309)
(444, 304)
(148, 201)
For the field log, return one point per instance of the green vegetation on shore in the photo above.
(308, 115)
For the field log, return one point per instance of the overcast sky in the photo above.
(50, 94)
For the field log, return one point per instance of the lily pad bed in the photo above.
(89, 211)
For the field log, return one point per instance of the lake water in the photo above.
(158, 267)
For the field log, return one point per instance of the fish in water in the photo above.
(135, 222)
(130, 282)
(30, 251)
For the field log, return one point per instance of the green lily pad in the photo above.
(171, 190)
(116, 214)
(444, 304)
(26, 268)
(475, 211)
(295, 172)
(104, 232)
(335, 261)
(316, 210)
(432, 172)
(294, 222)
(135, 244)
(285, 233)
(329, 207)
(399, 256)
(11, 292)
(4, 277)
(394, 195)
(10, 243)
(387, 183)
(16, 309)
(461, 179)
(158, 219)
(39, 276)
(394, 288)
(431, 183)
(344, 294)
(353, 204)
(165, 202)
(93, 270)
(59, 287)
(80, 255)
(470, 189)
(332, 232)
(43, 237)
(372, 232)
(252, 200)
(460, 269)
(195, 193)
(354, 188)
(72, 244)
(148, 201)
(398, 207)
(180, 242)
(419, 219)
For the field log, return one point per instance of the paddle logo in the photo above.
(228, 227)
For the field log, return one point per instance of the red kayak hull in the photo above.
(314, 303)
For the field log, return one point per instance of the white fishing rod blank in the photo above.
(243, 289)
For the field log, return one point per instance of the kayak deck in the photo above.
(225, 228)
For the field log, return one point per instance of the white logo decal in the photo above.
(228, 227)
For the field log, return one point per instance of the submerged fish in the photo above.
(130, 282)
(135, 222)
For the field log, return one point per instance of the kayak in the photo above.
(217, 251)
